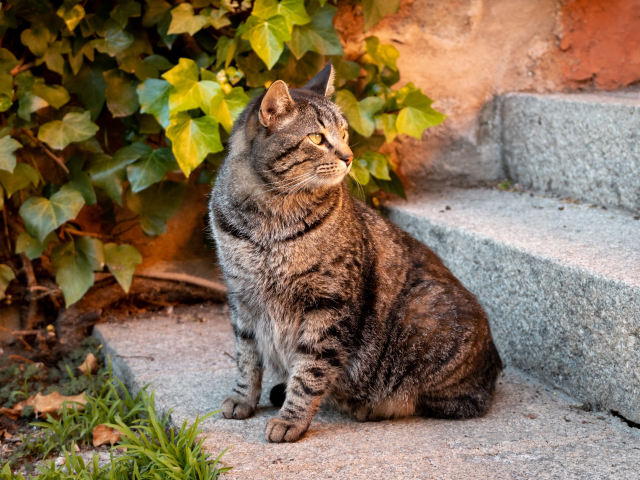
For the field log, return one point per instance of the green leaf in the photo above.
(345, 71)
(360, 169)
(80, 180)
(374, 10)
(377, 164)
(72, 16)
(154, 99)
(255, 70)
(74, 273)
(89, 86)
(116, 39)
(218, 18)
(42, 216)
(54, 95)
(93, 250)
(394, 186)
(225, 108)
(125, 10)
(122, 261)
(121, 94)
(109, 173)
(23, 174)
(267, 37)
(37, 39)
(53, 56)
(8, 145)
(163, 30)
(184, 21)
(156, 205)
(6, 275)
(155, 11)
(193, 139)
(151, 168)
(292, 10)
(188, 93)
(382, 55)
(29, 103)
(360, 114)
(387, 123)
(32, 247)
(417, 114)
(319, 36)
(7, 63)
(74, 127)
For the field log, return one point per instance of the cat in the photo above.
(344, 306)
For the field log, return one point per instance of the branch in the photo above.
(21, 68)
(82, 234)
(26, 345)
(32, 284)
(44, 147)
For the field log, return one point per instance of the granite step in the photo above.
(584, 145)
(531, 431)
(560, 282)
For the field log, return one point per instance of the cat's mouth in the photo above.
(333, 174)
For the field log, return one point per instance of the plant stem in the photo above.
(82, 234)
(21, 68)
(47, 151)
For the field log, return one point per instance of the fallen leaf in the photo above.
(15, 412)
(52, 404)
(103, 434)
(531, 415)
(90, 364)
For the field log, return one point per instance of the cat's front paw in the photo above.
(235, 407)
(279, 430)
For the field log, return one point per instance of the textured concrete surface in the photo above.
(531, 431)
(582, 145)
(560, 283)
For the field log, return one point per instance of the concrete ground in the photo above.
(531, 431)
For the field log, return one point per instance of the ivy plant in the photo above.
(126, 100)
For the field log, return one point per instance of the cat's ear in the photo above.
(323, 82)
(275, 103)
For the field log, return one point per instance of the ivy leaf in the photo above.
(156, 205)
(255, 70)
(387, 123)
(374, 10)
(393, 186)
(116, 39)
(109, 173)
(7, 62)
(93, 250)
(6, 275)
(226, 108)
(32, 247)
(125, 10)
(54, 95)
(377, 164)
(37, 39)
(89, 86)
(346, 70)
(80, 180)
(267, 37)
(163, 30)
(417, 114)
(319, 36)
(156, 10)
(122, 261)
(154, 99)
(292, 10)
(151, 168)
(23, 175)
(74, 273)
(188, 93)
(72, 17)
(74, 127)
(8, 145)
(121, 95)
(53, 56)
(193, 139)
(360, 169)
(184, 21)
(360, 114)
(218, 18)
(382, 55)
(42, 216)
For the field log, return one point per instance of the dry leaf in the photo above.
(15, 412)
(531, 416)
(90, 364)
(51, 404)
(103, 434)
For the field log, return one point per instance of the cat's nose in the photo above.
(346, 156)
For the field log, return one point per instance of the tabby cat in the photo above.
(344, 306)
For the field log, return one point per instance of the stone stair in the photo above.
(560, 279)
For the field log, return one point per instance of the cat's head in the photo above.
(301, 137)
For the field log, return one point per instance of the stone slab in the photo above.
(531, 431)
(582, 145)
(559, 281)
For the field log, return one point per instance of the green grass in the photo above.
(154, 450)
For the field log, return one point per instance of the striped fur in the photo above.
(344, 306)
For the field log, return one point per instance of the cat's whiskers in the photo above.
(296, 189)
(291, 182)
(360, 189)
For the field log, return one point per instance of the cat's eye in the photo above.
(316, 138)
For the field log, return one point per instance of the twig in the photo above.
(47, 151)
(12, 440)
(6, 227)
(83, 234)
(32, 284)
(27, 332)
(230, 356)
(20, 357)
(136, 356)
(21, 68)
(26, 345)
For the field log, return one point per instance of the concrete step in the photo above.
(531, 431)
(581, 145)
(559, 281)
